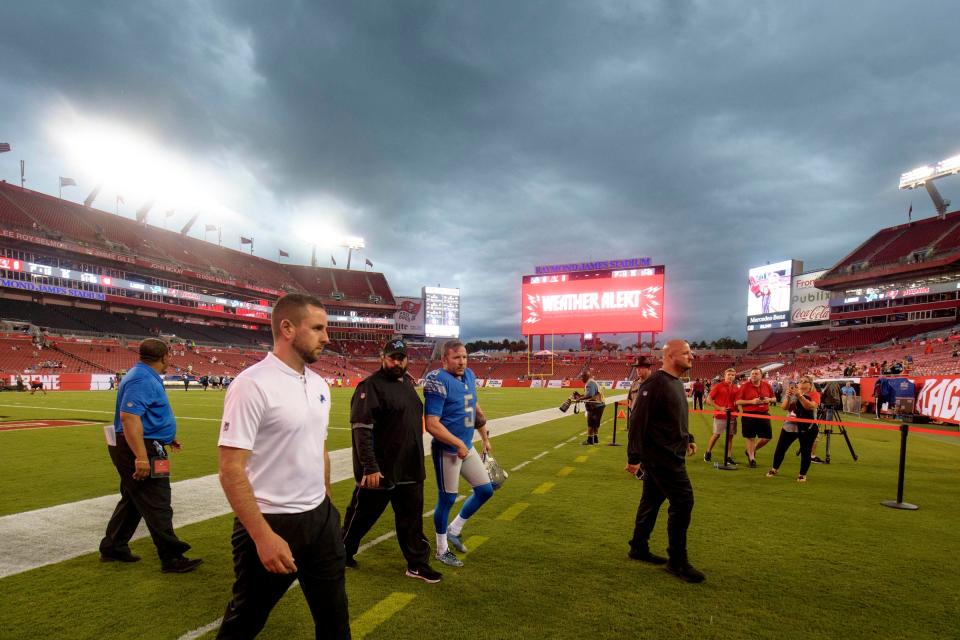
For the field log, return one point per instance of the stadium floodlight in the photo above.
(351, 243)
(924, 177)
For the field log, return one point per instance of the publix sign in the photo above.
(809, 304)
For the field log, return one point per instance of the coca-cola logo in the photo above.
(812, 314)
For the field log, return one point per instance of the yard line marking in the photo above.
(110, 413)
(521, 465)
(564, 472)
(581, 459)
(543, 488)
(201, 631)
(474, 541)
(376, 541)
(379, 613)
(572, 438)
(557, 446)
(513, 511)
(540, 455)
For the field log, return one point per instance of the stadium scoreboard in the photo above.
(441, 312)
(593, 301)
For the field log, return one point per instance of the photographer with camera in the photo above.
(592, 400)
(801, 402)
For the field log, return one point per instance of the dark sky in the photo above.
(468, 142)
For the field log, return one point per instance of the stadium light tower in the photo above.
(925, 176)
(351, 243)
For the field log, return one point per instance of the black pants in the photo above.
(314, 539)
(787, 438)
(367, 506)
(697, 400)
(668, 482)
(148, 499)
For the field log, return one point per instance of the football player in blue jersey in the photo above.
(452, 415)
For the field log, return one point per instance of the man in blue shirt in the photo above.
(144, 426)
(452, 415)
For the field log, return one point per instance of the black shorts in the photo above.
(756, 427)
(594, 413)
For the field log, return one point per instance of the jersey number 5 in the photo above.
(468, 419)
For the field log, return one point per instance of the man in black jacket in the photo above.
(659, 441)
(387, 418)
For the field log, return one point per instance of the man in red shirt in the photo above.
(754, 397)
(723, 396)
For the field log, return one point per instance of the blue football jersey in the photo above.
(454, 401)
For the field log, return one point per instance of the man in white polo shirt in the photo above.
(275, 471)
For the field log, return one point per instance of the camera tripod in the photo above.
(832, 414)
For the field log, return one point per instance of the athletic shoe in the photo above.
(753, 464)
(449, 559)
(587, 441)
(180, 565)
(816, 460)
(771, 473)
(646, 556)
(119, 556)
(350, 562)
(801, 478)
(731, 461)
(425, 573)
(685, 572)
(707, 456)
(456, 542)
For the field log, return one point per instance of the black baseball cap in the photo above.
(395, 346)
(642, 361)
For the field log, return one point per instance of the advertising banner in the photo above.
(939, 399)
(608, 302)
(554, 384)
(623, 384)
(536, 384)
(494, 383)
(807, 303)
(409, 316)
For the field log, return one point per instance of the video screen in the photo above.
(624, 301)
(441, 312)
(768, 296)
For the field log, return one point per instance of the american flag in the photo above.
(245, 240)
(4, 147)
(209, 227)
(67, 182)
(284, 254)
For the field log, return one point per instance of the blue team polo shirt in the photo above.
(454, 401)
(141, 393)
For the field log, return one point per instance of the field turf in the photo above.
(548, 557)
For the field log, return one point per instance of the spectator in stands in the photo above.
(754, 398)
(896, 368)
(144, 427)
(801, 402)
(723, 396)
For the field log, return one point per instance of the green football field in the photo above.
(548, 552)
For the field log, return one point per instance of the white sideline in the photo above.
(46, 536)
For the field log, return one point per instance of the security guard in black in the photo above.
(659, 439)
(386, 414)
